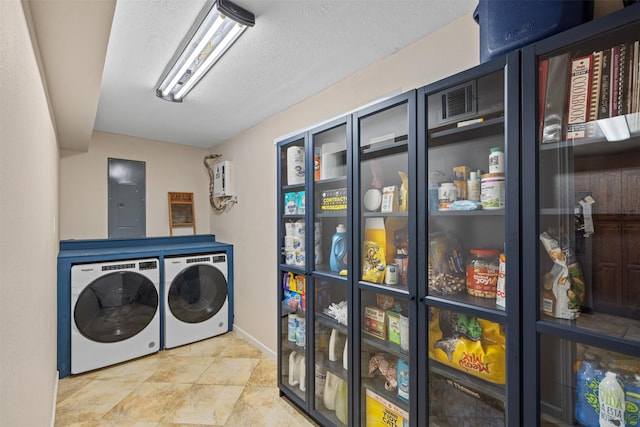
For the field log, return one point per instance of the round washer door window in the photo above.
(116, 306)
(197, 293)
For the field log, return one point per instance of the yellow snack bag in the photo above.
(373, 262)
(473, 345)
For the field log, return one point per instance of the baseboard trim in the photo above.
(55, 399)
(266, 350)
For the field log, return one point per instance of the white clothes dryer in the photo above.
(114, 312)
(196, 298)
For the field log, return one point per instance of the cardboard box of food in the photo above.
(375, 322)
(383, 413)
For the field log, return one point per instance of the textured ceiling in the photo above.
(296, 49)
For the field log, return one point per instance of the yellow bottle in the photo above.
(374, 250)
(374, 231)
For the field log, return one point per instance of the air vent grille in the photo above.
(458, 102)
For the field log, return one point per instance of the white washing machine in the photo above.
(114, 312)
(196, 298)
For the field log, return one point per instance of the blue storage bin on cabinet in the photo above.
(506, 25)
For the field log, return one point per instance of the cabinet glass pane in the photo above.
(467, 370)
(384, 359)
(293, 335)
(292, 286)
(331, 350)
(383, 198)
(589, 175)
(588, 142)
(466, 160)
(574, 390)
(330, 249)
(293, 204)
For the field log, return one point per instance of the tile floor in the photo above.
(221, 381)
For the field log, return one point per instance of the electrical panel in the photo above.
(222, 179)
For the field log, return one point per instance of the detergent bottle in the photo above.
(338, 257)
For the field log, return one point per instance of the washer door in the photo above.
(115, 307)
(197, 293)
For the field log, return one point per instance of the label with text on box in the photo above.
(383, 413)
(333, 201)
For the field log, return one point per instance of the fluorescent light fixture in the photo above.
(614, 128)
(221, 26)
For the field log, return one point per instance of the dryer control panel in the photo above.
(149, 265)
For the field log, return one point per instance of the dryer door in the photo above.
(197, 293)
(115, 306)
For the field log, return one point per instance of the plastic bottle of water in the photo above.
(611, 399)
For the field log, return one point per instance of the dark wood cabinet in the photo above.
(630, 179)
(606, 189)
(607, 283)
(616, 286)
(613, 181)
(631, 266)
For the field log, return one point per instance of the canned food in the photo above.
(391, 274)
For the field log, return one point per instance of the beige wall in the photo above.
(251, 224)
(28, 234)
(168, 168)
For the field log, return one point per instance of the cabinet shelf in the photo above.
(331, 323)
(490, 127)
(294, 216)
(385, 345)
(291, 187)
(594, 146)
(323, 271)
(386, 214)
(330, 415)
(605, 325)
(392, 289)
(332, 215)
(292, 268)
(335, 367)
(292, 346)
(477, 212)
(485, 308)
(399, 144)
(292, 389)
(330, 181)
(377, 386)
(476, 385)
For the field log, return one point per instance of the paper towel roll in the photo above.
(295, 165)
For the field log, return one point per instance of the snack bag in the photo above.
(373, 262)
(473, 345)
(447, 270)
(563, 287)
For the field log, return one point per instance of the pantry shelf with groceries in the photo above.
(468, 254)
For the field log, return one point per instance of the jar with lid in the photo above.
(447, 194)
(496, 160)
(482, 273)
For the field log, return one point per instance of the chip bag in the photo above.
(469, 344)
(373, 262)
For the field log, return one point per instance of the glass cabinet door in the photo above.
(586, 280)
(329, 247)
(385, 259)
(291, 272)
(471, 313)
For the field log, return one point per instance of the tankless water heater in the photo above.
(222, 179)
